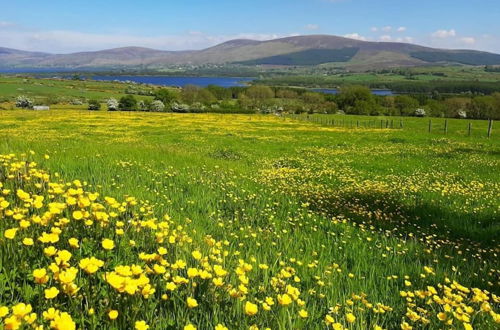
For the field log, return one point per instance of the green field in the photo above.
(266, 222)
(52, 91)
(401, 80)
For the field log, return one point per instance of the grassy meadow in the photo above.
(57, 91)
(123, 220)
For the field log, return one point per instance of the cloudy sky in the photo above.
(58, 26)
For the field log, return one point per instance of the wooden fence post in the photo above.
(446, 126)
(470, 128)
(430, 125)
(490, 127)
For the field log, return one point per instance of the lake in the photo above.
(180, 81)
(205, 81)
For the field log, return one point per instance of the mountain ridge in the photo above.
(288, 51)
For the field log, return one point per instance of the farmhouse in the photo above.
(41, 107)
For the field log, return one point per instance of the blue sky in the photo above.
(68, 26)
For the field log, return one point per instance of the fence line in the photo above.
(384, 124)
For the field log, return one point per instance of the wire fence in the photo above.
(433, 125)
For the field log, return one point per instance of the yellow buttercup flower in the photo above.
(196, 254)
(73, 242)
(10, 233)
(21, 310)
(191, 302)
(51, 293)
(77, 215)
(284, 299)
(4, 310)
(251, 309)
(108, 244)
(90, 265)
(63, 321)
(113, 314)
(12, 323)
(50, 251)
(28, 241)
(40, 276)
(50, 314)
(141, 325)
(350, 317)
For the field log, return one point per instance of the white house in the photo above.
(41, 107)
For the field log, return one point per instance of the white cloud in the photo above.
(385, 38)
(374, 29)
(386, 28)
(442, 34)
(468, 40)
(401, 29)
(312, 27)
(485, 42)
(356, 36)
(404, 39)
(4, 24)
(63, 41)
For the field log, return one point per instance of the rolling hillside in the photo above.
(291, 51)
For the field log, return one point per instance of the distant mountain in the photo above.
(307, 50)
(13, 57)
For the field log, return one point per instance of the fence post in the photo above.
(430, 125)
(490, 127)
(470, 128)
(446, 126)
(400, 123)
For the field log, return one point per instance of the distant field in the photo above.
(247, 221)
(56, 90)
(401, 80)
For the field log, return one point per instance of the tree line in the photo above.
(354, 99)
(358, 100)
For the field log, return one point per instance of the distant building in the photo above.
(41, 107)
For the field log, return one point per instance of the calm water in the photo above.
(180, 81)
(380, 92)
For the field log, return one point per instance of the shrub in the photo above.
(144, 105)
(128, 102)
(24, 102)
(420, 112)
(462, 114)
(94, 105)
(197, 107)
(164, 95)
(112, 104)
(157, 106)
(179, 107)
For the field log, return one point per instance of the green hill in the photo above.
(307, 50)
